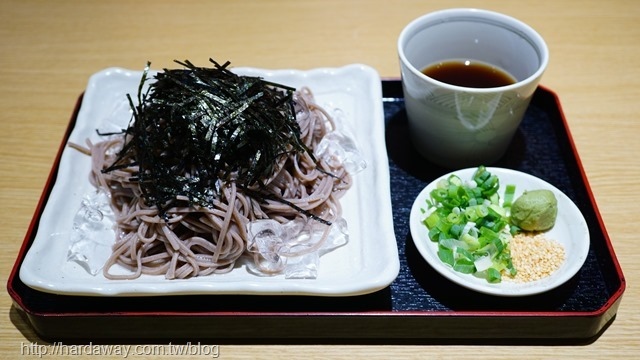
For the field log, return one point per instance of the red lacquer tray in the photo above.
(420, 306)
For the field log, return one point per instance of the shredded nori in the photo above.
(195, 127)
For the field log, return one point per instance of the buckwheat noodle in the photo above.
(193, 240)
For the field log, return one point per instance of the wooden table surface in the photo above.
(48, 50)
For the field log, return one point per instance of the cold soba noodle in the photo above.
(187, 234)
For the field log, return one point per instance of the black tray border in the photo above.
(354, 323)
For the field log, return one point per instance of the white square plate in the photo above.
(367, 263)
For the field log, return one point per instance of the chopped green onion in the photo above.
(493, 275)
(470, 225)
(483, 263)
(509, 193)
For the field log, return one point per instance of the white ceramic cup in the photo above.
(455, 126)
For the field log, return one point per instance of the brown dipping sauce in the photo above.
(469, 74)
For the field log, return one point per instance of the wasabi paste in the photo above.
(535, 210)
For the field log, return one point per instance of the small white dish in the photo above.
(570, 230)
(367, 263)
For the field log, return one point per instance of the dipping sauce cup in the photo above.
(468, 76)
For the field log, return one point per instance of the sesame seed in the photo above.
(534, 256)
